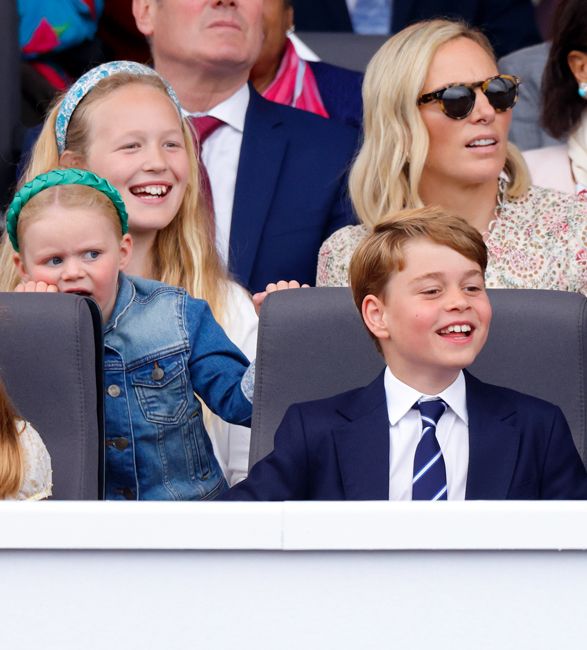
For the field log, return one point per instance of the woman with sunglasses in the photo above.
(437, 115)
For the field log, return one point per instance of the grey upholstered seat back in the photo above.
(50, 360)
(346, 49)
(312, 344)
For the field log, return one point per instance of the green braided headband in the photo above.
(61, 177)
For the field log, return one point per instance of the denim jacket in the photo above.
(161, 346)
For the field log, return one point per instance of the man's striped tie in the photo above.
(429, 482)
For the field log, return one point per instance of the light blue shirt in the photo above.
(371, 16)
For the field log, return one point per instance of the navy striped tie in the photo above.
(429, 482)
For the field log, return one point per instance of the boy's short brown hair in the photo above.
(382, 252)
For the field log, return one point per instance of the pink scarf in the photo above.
(295, 84)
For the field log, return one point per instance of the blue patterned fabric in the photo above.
(371, 16)
(88, 81)
(53, 26)
(429, 482)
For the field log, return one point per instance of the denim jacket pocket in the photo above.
(161, 389)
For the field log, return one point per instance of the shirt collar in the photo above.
(124, 297)
(232, 111)
(400, 397)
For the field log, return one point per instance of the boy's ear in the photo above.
(71, 159)
(19, 263)
(125, 251)
(373, 312)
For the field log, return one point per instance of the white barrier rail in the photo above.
(372, 525)
(104, 576)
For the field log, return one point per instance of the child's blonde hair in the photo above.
(184, 253)
(67, 196)
(11, 457)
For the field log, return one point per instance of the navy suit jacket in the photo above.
(291, 192)
(509, 24)
(341, 92)
(520, 447)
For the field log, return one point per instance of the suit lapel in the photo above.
(493, 443)
(362, 445)
(263, 148)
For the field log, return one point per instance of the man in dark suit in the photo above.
(424, 429)
(277, 175)
(509, 24)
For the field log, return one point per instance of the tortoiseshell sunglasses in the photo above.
(457, 100)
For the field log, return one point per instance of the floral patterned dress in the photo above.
(538, 242)
(37, 482)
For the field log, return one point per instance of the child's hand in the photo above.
(258, 298)
(36, 287)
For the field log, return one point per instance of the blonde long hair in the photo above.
(184, 253)
(386, 174)
(11, 456)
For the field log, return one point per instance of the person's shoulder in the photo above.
(155, 293)
(549, 167)
(146, 287)
(348, 237)
(303, 122)
(504, 397)
(335, 255)
(544, 199)
(526, 56)
(554, 154)
(353, 234)
(37, 481)
(321, 69)
(339, 403)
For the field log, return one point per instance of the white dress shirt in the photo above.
(221, 153)
(405, 431)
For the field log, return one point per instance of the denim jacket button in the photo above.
(127, 493)
(158, 373)
(113, 390)
(120, 443)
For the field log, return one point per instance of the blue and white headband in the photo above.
(88, 81)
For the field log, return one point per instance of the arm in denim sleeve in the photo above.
(216, 365)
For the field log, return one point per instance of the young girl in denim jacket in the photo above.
(121, 121)
(69, 232)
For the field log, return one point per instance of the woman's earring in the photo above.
(291, 30)
(583, 89)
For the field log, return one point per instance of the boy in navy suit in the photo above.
(424, 429)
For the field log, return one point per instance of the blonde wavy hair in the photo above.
(11, 455)
(386, 174)
(184, 252)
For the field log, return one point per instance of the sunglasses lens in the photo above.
(501, 93)
(458, 101)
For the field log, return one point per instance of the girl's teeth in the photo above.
(153, 190)
(459, 329)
